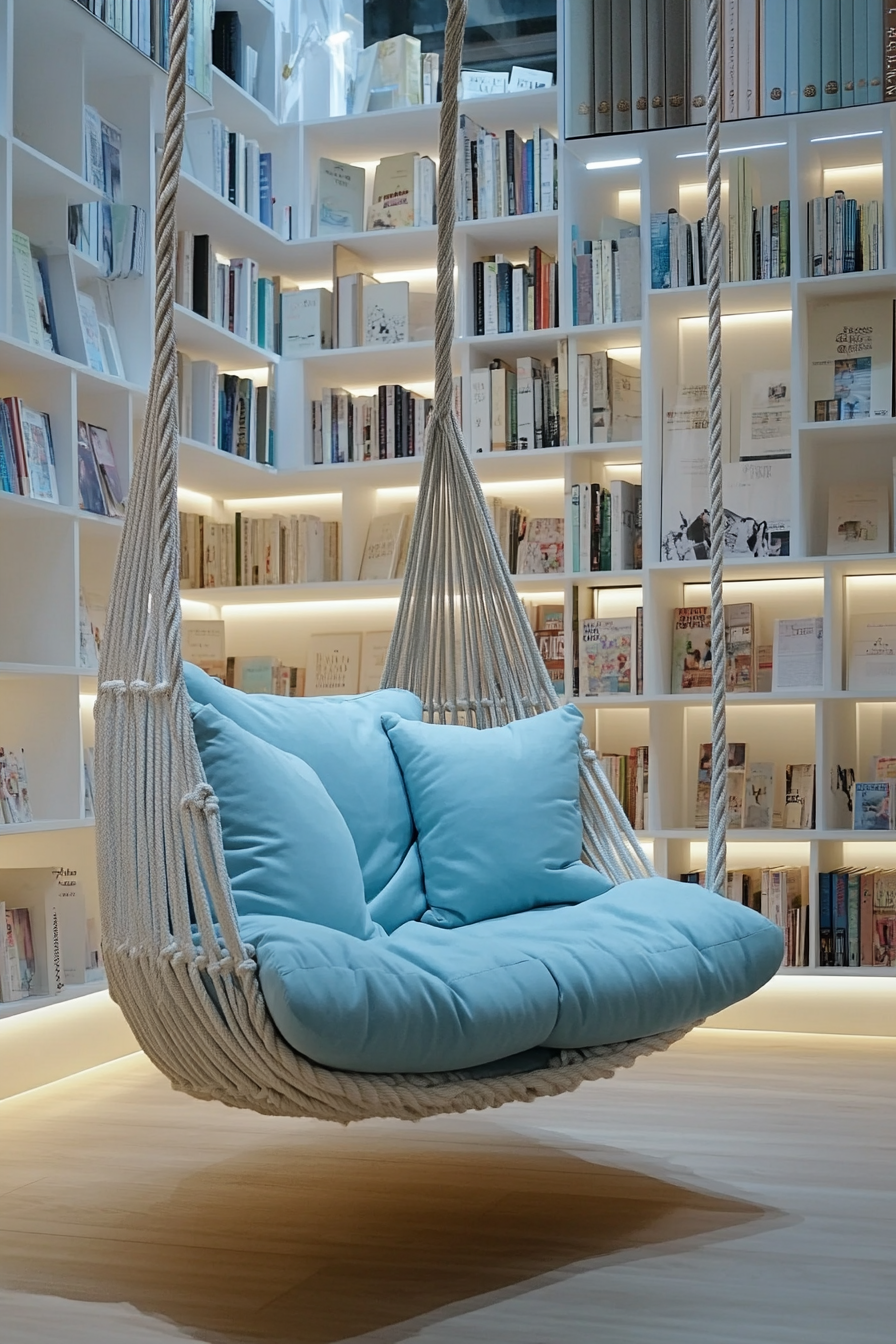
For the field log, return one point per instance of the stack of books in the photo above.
(606, 527)
(550, 635)
(781, 894)
(607, 274)
(27, 460)
(99, 485)
(844, 235)
(144, 23)
(628, 776)
(111, 234)
(15, 805)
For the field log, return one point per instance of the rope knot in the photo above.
(161, 691)
(201, 799)
(113, 687)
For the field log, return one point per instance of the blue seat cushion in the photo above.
(343, 740)
(499, 827)
(644, 957)
(288, 851)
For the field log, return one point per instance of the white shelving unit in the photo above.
(47, 551)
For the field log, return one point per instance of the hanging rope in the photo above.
(716, 857)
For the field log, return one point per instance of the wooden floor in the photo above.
(739, 1190)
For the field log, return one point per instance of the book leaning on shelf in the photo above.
(225, 411)
(233, 167)
(871, 663)
(692, 649)
(231, 55)
(503, 174)
(404, 192)
(255, 552)
(510, 297)
(99, 485)
(857, 917)
(609, 656)
(550, 636)
(15, 803)
(781, 894)
(850, 375)
(607, 274)
(27, 459)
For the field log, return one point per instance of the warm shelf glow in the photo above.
(284, 503)
(599, 164)
(191, 501)
(290, 610)
(774, 315)
(735, 149)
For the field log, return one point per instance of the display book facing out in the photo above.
(48, 942)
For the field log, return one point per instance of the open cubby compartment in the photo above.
(857, 595)
(621, 342)
(112, 408)
(39, 715)
(865, 851)
(97, 548)
(362, 142)
(773, 599)
(327, 506)
(257, 26)
(858, 161)
(52, 126)
(779, 734)
(511, 237)
(48, 387)
(853, 733)
(689, 856)
(843, 299)
(283, 629)
(605, 596)
(586, 468)
(859, 452)
(614, 729)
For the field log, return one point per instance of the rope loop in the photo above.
(201, 799)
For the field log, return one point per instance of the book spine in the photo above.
(747, 52)
(876, 39)
(791, 55)
(810, 55)
(621, 65)
(656, 65)
(853, 898)
(830, 53)
(825, 920)
(660, 276)
(889, 52)
(773, 58)
(603, 90)
(575, 526)
(729, 60)
(840, 920)
(860, 51)
(676, 61)
(697, 63)
(639, 64)
(866, 920)
(579, 50)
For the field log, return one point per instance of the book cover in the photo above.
(799, 801)
(90, 332)
(739, 637)
(202, 643)
(37, 442)
(606, 648)
(386, 313)
(691, 649)
(374, 648)
(736, 785)
(757, 508)
(624, 384)
(394, 199)
(91, 496)
(851, 356)
(108, 469)
(340, 198)
(873, 808)
(382, 548)
(684, 526)
(871, 666)
(798, 658)
(858, 519)
(305, 321)
(759, 813)
(542, 548)
(765, 414)
(334, 663)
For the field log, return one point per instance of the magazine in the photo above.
(757, 509)
(873, 808)
(737, 762)
(606, 650)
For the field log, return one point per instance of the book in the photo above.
(740, 674)
(858, 519)
(374, 649)
(736, 785)
(765, 414)
(759, 812)
(202, 643)
(383, 547)
(764, 667)
(798, 658)
(874, 805)
(340, 198)
(691, 650)
(107, 467)
(91, 496)
(90, 332)
(40, 462)
(542, 549)
(333, 664)
(757, 508)
(871, 663)
(27, 292)
(799, 797)
(884, 915)
(624, 384)
(684, 526)
(398, 190)
(851, 356)
(386, 313)
(606, 656)
(305, 321)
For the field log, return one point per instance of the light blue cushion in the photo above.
(648, 956)
(342, 739)
(497, 815)
(287, 849)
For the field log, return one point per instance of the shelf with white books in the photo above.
(352, 591)
(234, 232)
(200, 338)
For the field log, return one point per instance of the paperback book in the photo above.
(873, 805)
(799, 799)
(736, 785)
(606, 655)
(757, 509)
(765, 414)
(871, 668)
(851, 357)
(858, 519)
(334, 664)
(759, 813)
(798, 658)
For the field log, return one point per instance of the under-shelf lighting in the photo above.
(776, 314)
(290, 610)
(283, 503)
(853, 135)
(632, 353)
(419, 275)
(735, 149)
(192, 501)
(599, 164)
(198, 611)
(804, 590)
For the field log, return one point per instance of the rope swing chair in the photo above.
(178, 965)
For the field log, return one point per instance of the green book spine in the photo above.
(852, 919)
(784, 237)
(605, 525)
(238, 549)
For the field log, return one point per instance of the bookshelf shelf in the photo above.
(344, 591)
(203, 339)
(18, 359)
(208, 470)
(38, 176)
(71, 992)
(232, 231)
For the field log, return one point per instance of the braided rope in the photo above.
(176, 962)
(716, 857)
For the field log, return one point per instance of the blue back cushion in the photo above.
(342, 739)
(287, 849)
(497, 815)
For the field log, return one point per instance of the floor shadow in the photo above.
(348, 1232)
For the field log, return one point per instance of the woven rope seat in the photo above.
(178, 965)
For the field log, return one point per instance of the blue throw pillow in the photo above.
(497, 815)
(287, 849)
(342, 739)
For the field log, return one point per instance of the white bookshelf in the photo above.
(48, 551)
